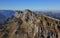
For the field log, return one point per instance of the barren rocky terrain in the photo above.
(24, 24)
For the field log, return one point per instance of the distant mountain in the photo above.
(7, 13)
(2, 18)
(55, 15)
(4, 14)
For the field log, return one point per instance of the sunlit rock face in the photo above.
(27, 24)
(21, 25)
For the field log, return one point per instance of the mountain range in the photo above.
(4, 14)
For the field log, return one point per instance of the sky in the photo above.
(30, 4)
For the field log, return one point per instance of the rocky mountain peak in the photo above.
(27, 25)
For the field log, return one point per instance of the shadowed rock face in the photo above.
(29, 25)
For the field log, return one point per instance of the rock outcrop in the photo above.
(27, 24)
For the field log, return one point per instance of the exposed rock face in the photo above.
(28, 25)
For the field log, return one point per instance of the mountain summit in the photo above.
(27, 24)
